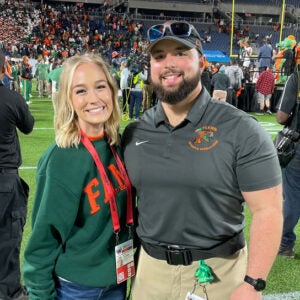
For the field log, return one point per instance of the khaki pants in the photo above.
(156, 280)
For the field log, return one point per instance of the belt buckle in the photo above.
(178, 256)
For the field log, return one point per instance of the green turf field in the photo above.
(284, 277)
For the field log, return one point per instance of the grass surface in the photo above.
(285, 274)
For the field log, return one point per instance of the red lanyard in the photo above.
(108, 188)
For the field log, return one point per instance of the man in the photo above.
(291, 173)
(41, 74)
(265, 54)
(53, 81)
(115, 67)
(194, 161)
(220, 83)
(15, 72)
(14, 114)
(265, 86)
(136, 94)
(235, 74)
(247, 52)
(124, 85)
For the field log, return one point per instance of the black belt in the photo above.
(180, 255)
(9, 170)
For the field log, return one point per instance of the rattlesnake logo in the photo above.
(205, 138)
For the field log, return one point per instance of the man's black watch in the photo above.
(259, 284)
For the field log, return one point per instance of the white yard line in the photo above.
(288, 296)
(27, 168)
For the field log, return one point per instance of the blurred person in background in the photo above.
(41, 74)
(291, 173)
(26, 76)
(14, 116)
(124, 85)
(7, 76)
(15, 72)
(53, 79)
(236, 76)
(265, 54)
(265, 86)
(220, 83)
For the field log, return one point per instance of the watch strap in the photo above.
(258, 284)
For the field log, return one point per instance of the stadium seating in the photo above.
(219, 39)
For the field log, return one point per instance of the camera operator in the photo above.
(291, 173)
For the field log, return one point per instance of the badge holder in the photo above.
(124, 258)
(203, 276)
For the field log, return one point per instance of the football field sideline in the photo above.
(288, 296)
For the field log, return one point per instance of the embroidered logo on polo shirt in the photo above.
(204, 138)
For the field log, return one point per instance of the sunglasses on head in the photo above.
(178, 29)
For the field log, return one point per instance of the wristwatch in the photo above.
(259, 284)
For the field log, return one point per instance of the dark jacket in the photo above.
(14, 114)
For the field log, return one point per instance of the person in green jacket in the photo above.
(83, 193)
(53, 81)
(26, 76)
(41, 74)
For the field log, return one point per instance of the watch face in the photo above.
(260, 285)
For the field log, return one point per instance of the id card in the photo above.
(191, 296)
(124, 261)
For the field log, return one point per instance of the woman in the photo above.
(26, 76)
(79, 213)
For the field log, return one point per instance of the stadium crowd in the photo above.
(59, 30)
(53, 32)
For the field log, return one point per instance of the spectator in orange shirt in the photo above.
(7, 74)
(46, 52)
(64, 53)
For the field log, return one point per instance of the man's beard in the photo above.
(176, 95)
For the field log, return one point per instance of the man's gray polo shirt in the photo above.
(189, 178)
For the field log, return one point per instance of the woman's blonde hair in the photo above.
(67, 131)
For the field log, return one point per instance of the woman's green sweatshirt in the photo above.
(72, 235)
